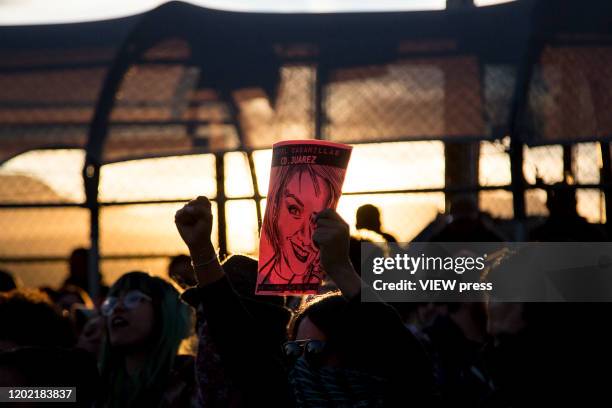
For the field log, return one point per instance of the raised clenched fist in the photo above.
(332, 236)
(194, 223)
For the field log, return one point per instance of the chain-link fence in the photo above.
(406, 180)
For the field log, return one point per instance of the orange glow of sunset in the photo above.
(148, 229)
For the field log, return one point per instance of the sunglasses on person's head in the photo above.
(130, 300)
(310, 349)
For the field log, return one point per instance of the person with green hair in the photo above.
(145, 324)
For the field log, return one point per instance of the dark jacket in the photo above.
(459, 368)
(372, 335)
(216, 384)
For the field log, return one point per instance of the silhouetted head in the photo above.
(78, 268)
(464, 207)
(322, 362)
(29, 318)
(181, 271)
(241, 271)
(144, 314)
(320, 321)
(368, 217)
(561, 200)
(145, 311)
(69, 296)
(7, 281)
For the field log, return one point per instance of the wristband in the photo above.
(208, 262)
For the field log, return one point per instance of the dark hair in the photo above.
(78, 264)
(561, 198)
(69, 289)
(324, 311)
(241, 271)
(7, 281)
(177, 261)
(173, 320)
(28, 318)
(368, 217)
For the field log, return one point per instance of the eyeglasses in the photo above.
(130, 300)
(311, 349)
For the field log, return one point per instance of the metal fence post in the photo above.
(91, 178)
(222, 224)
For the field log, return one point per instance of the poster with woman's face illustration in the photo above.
(306, 178)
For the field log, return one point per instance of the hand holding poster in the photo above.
(306, 178)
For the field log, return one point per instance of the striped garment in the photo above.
(334, 387)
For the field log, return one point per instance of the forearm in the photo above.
(346, 279)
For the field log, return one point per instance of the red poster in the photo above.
(306, 178)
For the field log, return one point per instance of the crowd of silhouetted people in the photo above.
(201, 337)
